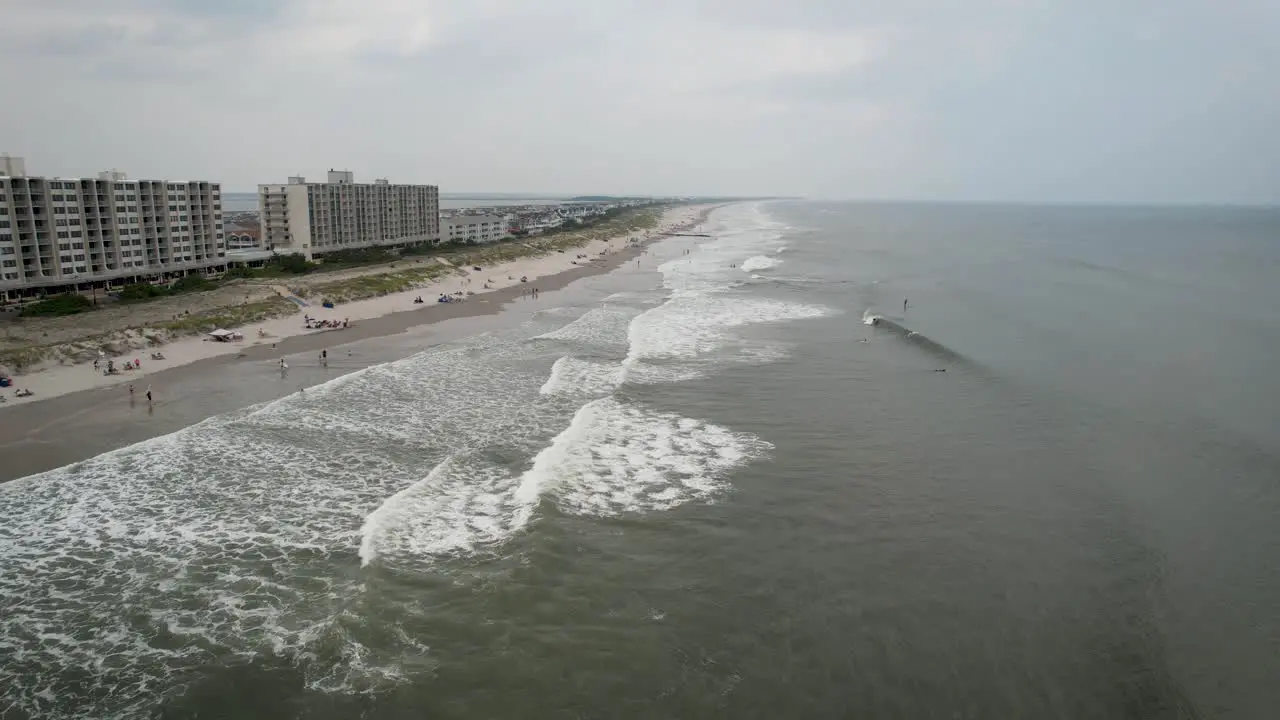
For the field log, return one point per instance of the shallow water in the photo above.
(689, 490)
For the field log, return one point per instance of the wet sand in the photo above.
(77, 426)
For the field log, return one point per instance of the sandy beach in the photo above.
(494, 284)
(77, 413)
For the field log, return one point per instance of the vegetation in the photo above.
(374, 285)
(234, 316)
(58, 305)
(138, 292)
(19, 359)
(421, 249)
(289, 264)
(358, 256)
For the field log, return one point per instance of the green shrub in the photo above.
(292, 263)
(359, 256)
(68, 304)
(192, 283)
(141, 291)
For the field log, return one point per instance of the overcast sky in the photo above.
(1059, 100)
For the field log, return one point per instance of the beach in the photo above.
(77, 412)
(492, 285)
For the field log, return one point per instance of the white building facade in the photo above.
(315, 218)
(69, 233)
(474, 229)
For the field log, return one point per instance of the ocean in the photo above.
(739, 480)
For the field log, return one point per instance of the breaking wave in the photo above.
(899, 330)
(258, 533)
(758, 262)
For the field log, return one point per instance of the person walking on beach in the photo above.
(904, 304)
(148, 394)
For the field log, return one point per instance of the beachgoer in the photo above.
(148, 393)
(130, 388)
(904, 304)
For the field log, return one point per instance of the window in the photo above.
(64, 234)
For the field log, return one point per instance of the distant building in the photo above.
(474, 229)
(315, 218)
(537, 221)
(242, 237)
(73, 233)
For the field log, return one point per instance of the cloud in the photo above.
(990, 99)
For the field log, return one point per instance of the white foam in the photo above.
(226, 534)
(462, 505)
(230, 536)
(616, 458)
(758, 262)
(691, 325)
(598, 326)
(573, 375)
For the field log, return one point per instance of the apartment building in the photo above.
(61, 234)
(340, 214)
(474, 229)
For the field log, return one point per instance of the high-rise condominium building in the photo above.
(315, 218)
(69, 233)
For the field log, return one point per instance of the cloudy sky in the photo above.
(1057, 100)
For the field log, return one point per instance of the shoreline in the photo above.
(36, 431)
(56, 381)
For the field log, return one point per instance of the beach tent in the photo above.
(221, 335)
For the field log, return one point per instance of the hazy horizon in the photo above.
(1042, 101)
